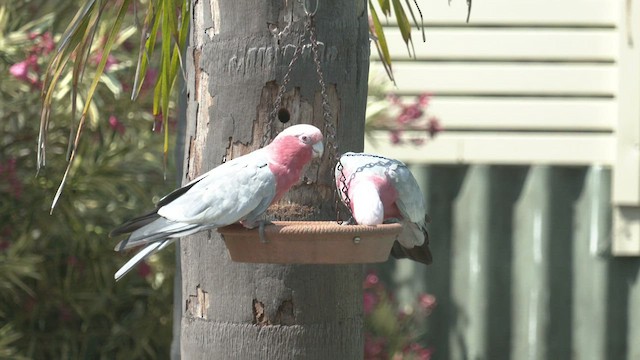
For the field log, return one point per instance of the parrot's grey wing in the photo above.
(135, 223)
(178, 192)
(223, 196)
(414, 238)
(410, 199)
(227, 195)
(157, 230)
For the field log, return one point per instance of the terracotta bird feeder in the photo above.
(311, 242)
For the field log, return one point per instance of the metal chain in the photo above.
(268, 128)
(329, 128)
(383, 161)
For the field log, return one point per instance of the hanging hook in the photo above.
(306, 8)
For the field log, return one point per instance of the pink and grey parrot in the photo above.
(240, 190)
(382, 190)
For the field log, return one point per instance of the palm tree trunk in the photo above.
(234, 68)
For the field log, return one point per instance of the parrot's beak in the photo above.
(318, 149)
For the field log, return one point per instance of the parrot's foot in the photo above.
(391, 221)
(351, 221)
(261, 225)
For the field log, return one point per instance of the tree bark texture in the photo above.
(235, 65)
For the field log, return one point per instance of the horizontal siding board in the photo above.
(517, 12)
(506, 79)
(466, 113)
(499, 148)
(507, 44)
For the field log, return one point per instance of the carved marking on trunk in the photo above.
(197, 305)
(264, 57)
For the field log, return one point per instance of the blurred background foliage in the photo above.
(58, 299)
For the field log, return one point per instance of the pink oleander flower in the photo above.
(374, 348)
(369, 302)
(9, 172)
(46, 43)
(20, 70)
(418, 351)
(427, 302)
(395, 137)
(371, 280)
(25, 70)
(410, 113)
(424, 100)
(434, 126)
(416, 141)
(116, 125)
(111, 60)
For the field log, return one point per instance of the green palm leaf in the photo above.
(76, 45)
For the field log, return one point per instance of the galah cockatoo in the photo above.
(239, 190)
(383, 190)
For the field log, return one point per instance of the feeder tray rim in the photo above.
(315, 227)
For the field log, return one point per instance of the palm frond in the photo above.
(377, 30)
(99, 71)
(77, 46)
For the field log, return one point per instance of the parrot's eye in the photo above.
(304, 138)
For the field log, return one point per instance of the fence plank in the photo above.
(591, 266)
(442, 187)
(470, 267)
(530, 268)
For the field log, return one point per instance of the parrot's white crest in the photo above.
(384, 190)
(240, 190)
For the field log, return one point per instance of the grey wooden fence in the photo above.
(522, 266)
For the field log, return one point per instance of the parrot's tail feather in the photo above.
(420, 253)
(155, 231)
(141, 255)
(135, 224)
(413, 243)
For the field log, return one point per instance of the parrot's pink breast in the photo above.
(288, 159)
(388, 195)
